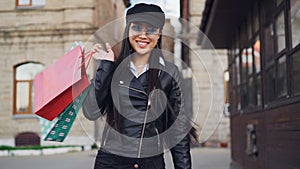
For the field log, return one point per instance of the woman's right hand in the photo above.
(103, 54)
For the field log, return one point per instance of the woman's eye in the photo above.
(136, 28)
(151, 30)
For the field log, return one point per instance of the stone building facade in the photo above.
(38, 32)
(208, 66)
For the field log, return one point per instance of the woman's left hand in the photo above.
(100, 54)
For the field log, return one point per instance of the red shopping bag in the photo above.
(59, 84)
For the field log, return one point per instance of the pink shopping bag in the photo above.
(59, 84)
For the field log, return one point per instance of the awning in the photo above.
(221, 19)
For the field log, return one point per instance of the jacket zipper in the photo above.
(145, 118)
(158, 139)
(143, 129)
(137, 90)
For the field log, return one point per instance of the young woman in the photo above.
(140, 93)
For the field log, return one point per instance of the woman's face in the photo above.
(143, 37)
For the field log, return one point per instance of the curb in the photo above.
(46, 151)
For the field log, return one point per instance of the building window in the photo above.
(259, 90)
(275, 56)
(244, 65)
(270, 84)
(296, 73)
(252, 92)
(257, 67)
(269, 38)
(237, 68)
(295, 22)
(30, 3)
(23, 80)
(263, 77)
(256, 53)
(281, 77)
(280, 32)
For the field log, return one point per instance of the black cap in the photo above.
(148, 13)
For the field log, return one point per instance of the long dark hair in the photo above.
(152, 80)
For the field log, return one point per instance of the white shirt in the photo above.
(133, 69)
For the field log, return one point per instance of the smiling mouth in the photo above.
(142, 44)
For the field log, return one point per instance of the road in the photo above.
(202, 158)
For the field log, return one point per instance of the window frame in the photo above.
(31, 5)
(293, 50)
(30, 90)
(29, 111)
(281, 8)
(27, 5)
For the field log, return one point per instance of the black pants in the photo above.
(105, 160)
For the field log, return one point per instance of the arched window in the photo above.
(23, 80)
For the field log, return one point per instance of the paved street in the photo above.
(203, 158)
(82, 160)
(211, 158)
(207, 158)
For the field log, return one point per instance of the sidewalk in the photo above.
(206, 158)
(202, 158)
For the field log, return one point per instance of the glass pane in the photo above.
(238, 99)
(296, 72)
(259, 91)
(251, 92)
(22, 96)
(256, 48)
(282, 77)
(256, 17)
(270, 84)
(280, 32)
(250, 61)
(227, 78)
(28, 71)
(236, 44)
(295, 22)
(269, 43)
(237, 63)
(244, 65)
(245, 96)
(23, 2)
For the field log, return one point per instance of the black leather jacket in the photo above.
(145, 128)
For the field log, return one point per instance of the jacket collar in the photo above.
(162, 61)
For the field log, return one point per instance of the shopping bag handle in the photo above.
(86, 56)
